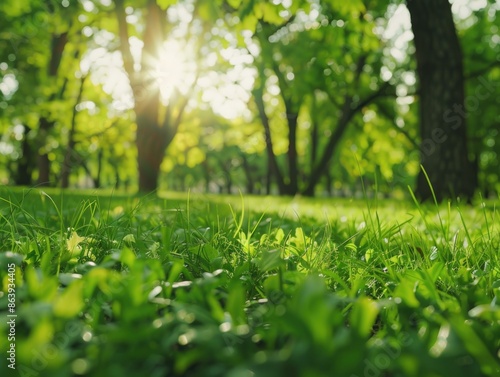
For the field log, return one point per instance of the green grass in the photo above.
(185, 285)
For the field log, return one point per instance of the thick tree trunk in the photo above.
(444, 152)
(153, 134)
(151, 137)
(151, 145)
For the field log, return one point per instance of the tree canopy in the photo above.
(290, 97)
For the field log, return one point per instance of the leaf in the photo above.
(244, 240)
(435, 271)
(208, 9)
(270, 13)
(129, 238)
(236, 303)
(247, 9)
(215, 306)
(368, 254)
(209, 253)
(70, 302)
(164, 4)
(311, 290)
(475, 346)
(234, 3)
(280, 235)
(406, 292)
(97, 277)
(351, 246)
(272, 283)
(363, 316)
(173, 274)
(41, 286)
(194, 157)
(73, 243)
(15, 8)
(302, 5)
(250, 23)
(348, 8)
(270, 260)
(127, 257)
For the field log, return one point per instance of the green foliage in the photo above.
(348, 8)
(483, 73)
(303, 55)
(113, 285)
(164, 4)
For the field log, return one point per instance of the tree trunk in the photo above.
(69, 157)
(25, 165)
(324, 162)
(293, 167)
(349, 110)
(150, 141)
(314, 134)
(206, 174)
(58, 45)
(273, 167)
(97, 180)
(247, 168)
(269, 178)
(443, 151)
(153, 135)
(43, 161)
(329, 183)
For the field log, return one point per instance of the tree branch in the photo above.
(482, 71)
(347, 114)
(128, 60)
(412, 140)
(171, 126)
(372, 97)
(259, 101)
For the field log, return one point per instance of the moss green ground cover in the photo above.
(109, 285)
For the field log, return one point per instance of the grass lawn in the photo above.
(103, 284)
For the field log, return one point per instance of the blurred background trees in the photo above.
(264, 97)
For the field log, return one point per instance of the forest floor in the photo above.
(103, 284)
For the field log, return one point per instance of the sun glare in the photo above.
(175, 70)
